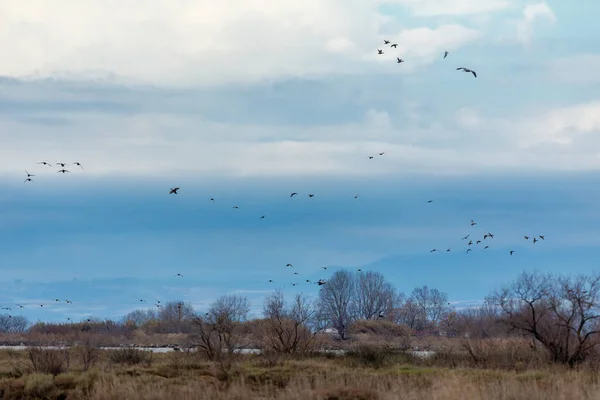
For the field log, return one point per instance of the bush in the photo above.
(47, 361)
(130, 356)
(39, 385)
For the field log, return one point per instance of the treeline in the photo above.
(559, 313)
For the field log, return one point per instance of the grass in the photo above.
(498, 372)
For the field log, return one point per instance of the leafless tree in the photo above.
(140, 317)
(176, 313)
(410, 314)
(218, 331)
(335, 300)
(286, 328)
(373, 296)
(562, 313)
(432, 303)
(13, 324)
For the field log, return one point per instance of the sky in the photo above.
(249, 101)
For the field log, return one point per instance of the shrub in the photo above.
(47, 361)
(130, 356)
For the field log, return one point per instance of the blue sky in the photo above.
(297, 107)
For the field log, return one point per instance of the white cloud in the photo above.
(207, 42)
(531, 14)
(575, 69)
(452, 7)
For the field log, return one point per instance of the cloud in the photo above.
(531, 14)
(208, 43)
(431, 8)
(574, 69)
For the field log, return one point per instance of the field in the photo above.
(493, 369)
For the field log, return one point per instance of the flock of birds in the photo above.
(400, 60)
(175, 190)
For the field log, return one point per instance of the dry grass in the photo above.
(499, 370)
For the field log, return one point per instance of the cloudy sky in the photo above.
(248, 101)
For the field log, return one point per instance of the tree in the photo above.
(560, 312)
(174, 313)
(218, 331)
(335, 298)
(286, 328)
(13, 324)
(410, 314)
(373, 296)
(140, 317)
(432, 303)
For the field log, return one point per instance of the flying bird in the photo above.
(446, 54)
(429, 201)
(526, 237)
(212, 199)
(311, 195)
(468, 250)
(262, 217)
(448, 249)
(379, 51)
(399, 60)
(382, 153)
(28, 174)
(473, 223)
(486, 247)
(470, 243)
(45, 163)
(431, 251)
(78, 164)
(295, 273)
(270, 280)
(321, 282)
(62, 164)
(356, 197)
(467, 70)
(370, 157)
(235, 207)
(466, 237)
(542, 237)
(479, 241)
(324, 267)
(63, 171)
(490, 235)
(179, 275)
(174, 190)
(28, 180)
(535, 240)
(386, 41)
(293, 194)
(395, 45)
(289, 265)
(511, 252)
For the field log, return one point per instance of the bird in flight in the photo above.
(382, 153)
(295, 273)
(467, 70)
(466, 237)
(429, 201)
(511, 252)
(271, 280)
(62, 164)
(63, 171)
(262, 217)
(468, 250)
(324, 267)
(311, 195)
(446, 54)
(535, 240)
(542, 237)
(370, 157)
(45, 163)
(473, 223)
(356, 197)
(180, 275)
(212, 199)
(68, 301)
(28, 174)
(235, 207)
(486, 247)
(20, 306)
(470, 243)
(431, 251)
(321, 282)
(293, 194)
(526, 237)
(379, 51)
(479, 241)
(28, 180)
(386, 41)
(399, 60)
(395, 45)
(173, 190)
(490, 235)
(78, 164)
(289, 265)
(449, 250)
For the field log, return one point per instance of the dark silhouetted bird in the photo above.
(473, 223)
(468, 250)
(467, 70)
(542, 237)
(535, 240)
(45, 163)
(526, 237)
(293, 194)
(466, 237)
(289, 265)
(62, 164)
(379, 51)
(63, 171)
(432, 250)
(399, 60)
(446, 54)
(28, 174)
(311, 195)
(395, 45)
(386, 41)
(28, 180)
(511, 252)
(78, 164)
(262, 217)
(173, 190)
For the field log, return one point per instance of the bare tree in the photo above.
(140, 317)
(13, 324)
(174, 313)
(286, 328)
(410, 314)
(218, 331)
(432, 303)
(373, 296)
(561, 313)
(335, 298)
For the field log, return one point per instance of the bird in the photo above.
(321, 282)
(511, 252)
(262, 217)
(466, 237)
(289, 265)
(379, 51)
(429, 201)
(295, 273)
(485, 236)
(293, 194)
(235, 207)
(431, 251)
(473, 223)
(28, 174)
(212, 199)
(62, 164)
(294, 284)
(400, 61)
(78, 164)
(20, 306)
(446, 54)
(324, 267)
(356, 197)
(395, 45)
(63, 170)
(526, 237)
(467, 70)
(370, 157)
(490, 235)
(542, 237)
(470, 243)
(382, 153)
(28, 180)
(308, 281)
(468, 250)
(179, 275)
(311, 195)
(479, 241)
(271, 280)
(359, 270)
(386, 41)
(535, 240)
(45, 163)
(173, 190)
(448, 249)
(486, 247)
(7, 308)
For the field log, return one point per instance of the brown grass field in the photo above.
(484, 369)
